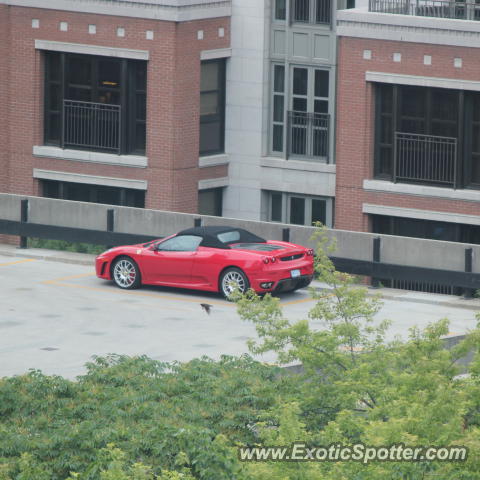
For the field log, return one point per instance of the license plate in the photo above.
(295, 273)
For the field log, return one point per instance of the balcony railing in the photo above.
(425, 159)
(308, 135)
(93, 126)
(464, 10)
(311, 11)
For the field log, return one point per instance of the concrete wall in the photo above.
(352, 245)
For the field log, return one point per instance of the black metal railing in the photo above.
(308, 134)
(465, 10)
(91, 125)
(311, 11)
(425, 159)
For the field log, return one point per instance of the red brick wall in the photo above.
(172, 98)
(4, 66)
(355, 120)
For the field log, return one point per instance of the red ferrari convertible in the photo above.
(218, 259)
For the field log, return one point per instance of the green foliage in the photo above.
(359, 387)
(66, 246)
(157, 414)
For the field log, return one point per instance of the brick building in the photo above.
(408, 119)
(115, 101)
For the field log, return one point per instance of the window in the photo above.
(278, 126)
(433, 230)
(280, 9)
(81, 192)
(210, 202)
(95, 103)
(299, 209)
(308, 132)
(311, 11)
(212, 107)
(181, 243)
(422, 136)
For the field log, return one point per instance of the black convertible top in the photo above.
(222, 237)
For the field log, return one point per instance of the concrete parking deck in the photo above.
(55, 315)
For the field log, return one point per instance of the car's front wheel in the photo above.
(231, 280)
(125, 273)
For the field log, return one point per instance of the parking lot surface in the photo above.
(55, 316)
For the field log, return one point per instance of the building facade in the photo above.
(113, 102)
(408, 120)
(280, 111)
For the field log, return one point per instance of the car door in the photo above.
(170, 262)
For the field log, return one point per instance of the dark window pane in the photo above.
(277, 202)
(277, 138)
(54, 97)
(210, 202)
(386, 98)
(210, 137)
(297, 211)
(140, 137)
(445, 105)
(79, 70)
(280, 9)
(50, 189)
(476, 169)
(80, 94)
(135, 198)
(108, 195)
(300, 81)
(279, 79)
(78, 192)
(321, 83)
(209, 76)
(386, 129)
(141, 75)
(141, 106)
(111, 97)
(209, 103)
(53, 128)
(323, 11)
(319, 211)
(413, 102)
(109, 73)
(301, 10)
(298, 140)
(300, 104)
(321, 106)
(53, 67)
(278, 108)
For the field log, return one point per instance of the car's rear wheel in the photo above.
(125, 273)
(231, 280)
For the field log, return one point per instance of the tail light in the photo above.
(310, 252)
(265, 260)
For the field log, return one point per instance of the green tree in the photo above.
(358, 387)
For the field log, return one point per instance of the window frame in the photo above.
(127, 91)
(219, 117)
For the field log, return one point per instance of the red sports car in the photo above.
(218, 259)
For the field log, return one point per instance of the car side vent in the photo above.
(291, 257)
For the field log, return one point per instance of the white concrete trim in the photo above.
(273, 162)
(168, 10)
(213, 183)
(360, 23)
(213, 160)
(421, 214)
(93, 157)
(417, 80)
(384, 186)
(89, 179)
(91, 49)
(217, 53)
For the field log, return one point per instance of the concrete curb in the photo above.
(48, 255)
